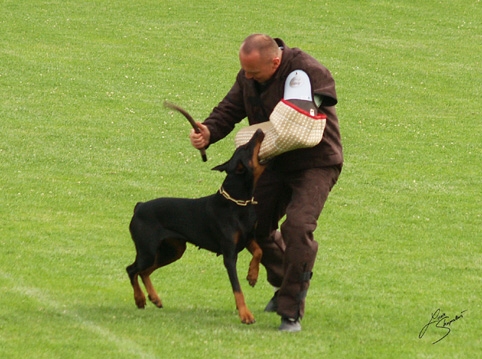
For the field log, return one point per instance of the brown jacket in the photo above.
(247, 98)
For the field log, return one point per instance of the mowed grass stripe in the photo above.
(45, 301)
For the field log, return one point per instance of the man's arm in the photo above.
(227, 113)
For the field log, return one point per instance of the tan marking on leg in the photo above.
(152, 294)
(244, 314)
(253, 271)
(139, 296)
(178, 247)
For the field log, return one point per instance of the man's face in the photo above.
(257, 68)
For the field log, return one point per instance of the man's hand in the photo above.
(200, 140)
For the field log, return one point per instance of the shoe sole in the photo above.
(293, 328)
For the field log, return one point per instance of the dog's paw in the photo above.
(246, 316)
(156, 301)
(252, 278)
(140, 302)
(248, 319)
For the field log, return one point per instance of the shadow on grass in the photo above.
(175, 317)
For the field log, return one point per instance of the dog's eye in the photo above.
(240, 169)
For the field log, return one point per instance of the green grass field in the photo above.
(84, 136)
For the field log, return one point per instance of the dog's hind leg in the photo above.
(139, 296)
(151, 292)
(170, 251)
(143, 266)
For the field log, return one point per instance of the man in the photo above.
(295, 184)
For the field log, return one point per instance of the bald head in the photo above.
(260, 57)
(261, 43)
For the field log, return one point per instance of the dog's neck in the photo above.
(239, 202)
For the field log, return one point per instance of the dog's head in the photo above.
(245, 159)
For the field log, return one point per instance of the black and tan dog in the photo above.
(222, 223)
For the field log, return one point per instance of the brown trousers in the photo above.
(289, 255)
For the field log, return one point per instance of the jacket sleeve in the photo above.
(227, 113)
(322, 81)
(324, 86)
(326, 89)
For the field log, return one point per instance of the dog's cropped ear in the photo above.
(232, 166)
(236, 164)
(221, 168)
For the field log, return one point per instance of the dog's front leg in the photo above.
(244, 313)
(253, 271)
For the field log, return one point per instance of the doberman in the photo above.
(222, 223)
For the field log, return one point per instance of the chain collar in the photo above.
(239, 202)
